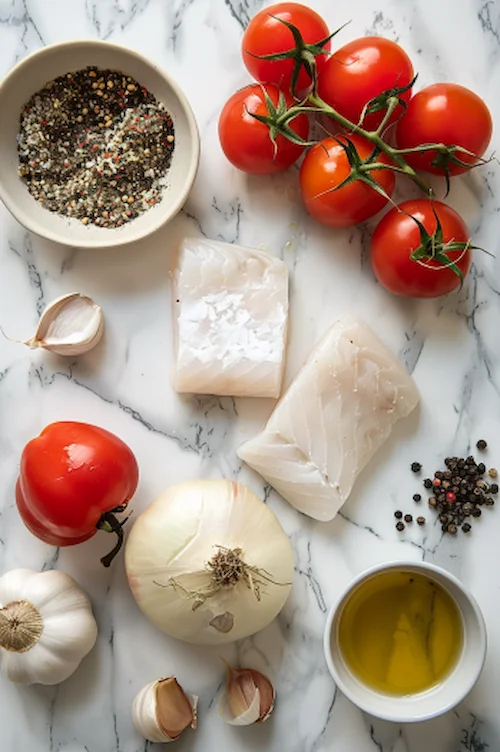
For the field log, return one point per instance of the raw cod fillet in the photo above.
(230, 320)
(337, 412)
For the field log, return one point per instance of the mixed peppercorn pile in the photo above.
(95, 145)
(458, 493)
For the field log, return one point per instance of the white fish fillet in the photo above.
(337, 412)
(230, 320)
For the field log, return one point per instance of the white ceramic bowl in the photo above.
(437, 700)
(53, 61)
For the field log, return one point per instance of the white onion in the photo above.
(171, 546)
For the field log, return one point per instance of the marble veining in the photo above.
(450, 346)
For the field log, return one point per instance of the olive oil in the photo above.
(400, 632)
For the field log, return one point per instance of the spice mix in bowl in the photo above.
(99, 147)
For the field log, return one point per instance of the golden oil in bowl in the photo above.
(400, 632)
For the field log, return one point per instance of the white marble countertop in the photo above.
(451, 346)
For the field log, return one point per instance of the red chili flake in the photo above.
(44, 122)
(144, 91)
(95, 147)
(436, 482)
(450, 496)
(117, 158)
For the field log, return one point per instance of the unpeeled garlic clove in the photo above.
(248, 698)
(70, 325)
(162, 710)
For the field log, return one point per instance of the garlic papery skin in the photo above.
(161, 711)
(209, 563)
(71, 325)
(46, 626)
(248, 698)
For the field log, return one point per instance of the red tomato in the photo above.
(398, 235)
(266, 35)
(360, 71)
(246, 142)
(72, 478)
(448, 114)
(326, 166)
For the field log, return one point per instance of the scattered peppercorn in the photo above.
(416, 467)
(481, 445)
(400, 526)
(398, 514)
(459, 492)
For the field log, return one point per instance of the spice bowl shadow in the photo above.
(49, 63)
(437, 699)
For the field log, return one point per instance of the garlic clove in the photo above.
(71, 325)
(162, 710)
(249, 697)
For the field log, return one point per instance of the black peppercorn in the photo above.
(466, 528)
(417, 497)
(400, 526)
(489, 502)
(398, 514)
(476, 512)
(481, 445)
(428, 483)
(416, 467)
(408, 518)
(481, 468)
(494, 488)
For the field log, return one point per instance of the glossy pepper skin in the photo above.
(73, 477)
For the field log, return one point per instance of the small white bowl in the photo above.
(50, 62)
(437, 700)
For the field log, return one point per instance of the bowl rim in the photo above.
(423, 566)
(115, 240)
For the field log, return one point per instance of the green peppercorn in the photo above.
(420, 520)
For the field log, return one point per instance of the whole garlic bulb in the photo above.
(162, 710)
(46, 626)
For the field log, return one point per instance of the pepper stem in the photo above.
(110, 524)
